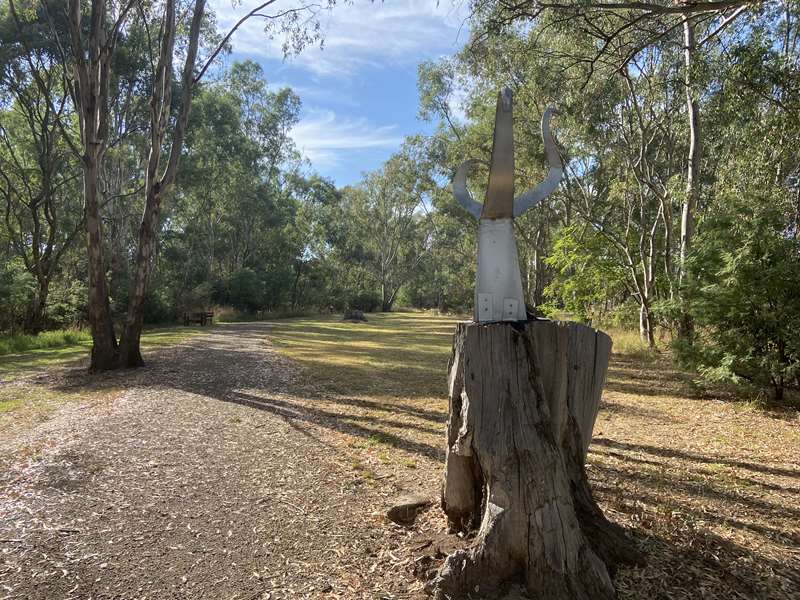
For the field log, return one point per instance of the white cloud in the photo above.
(358, 35)
(322, 136)
(319, 94)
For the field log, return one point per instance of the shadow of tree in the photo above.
(694, 457)
(678, 503)
(674, 528)
(244, 378)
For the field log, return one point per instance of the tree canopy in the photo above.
(677, 127)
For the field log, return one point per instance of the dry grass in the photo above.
(709, 486)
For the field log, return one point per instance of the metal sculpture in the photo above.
(498, 285)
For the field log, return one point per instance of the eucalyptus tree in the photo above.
(88, 36)
(296, 22)
(38, 184)
(743, 271)
(233, 206)
(619, 33)
(388, 233)
(38, 176)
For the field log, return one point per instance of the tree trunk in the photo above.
(104, 340)
(646, 333)
(35, 321)
(131, 337)
(685, 326)
(387, 297)
(523, 401)
(155, 187)
(92, 71)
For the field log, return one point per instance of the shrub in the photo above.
(744, 290)
(365, 301)
(17, 288)
(246, 290)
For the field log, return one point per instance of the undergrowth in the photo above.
(14, 344)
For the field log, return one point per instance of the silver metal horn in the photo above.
(533, 196)
(461, 193)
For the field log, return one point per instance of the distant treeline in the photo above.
(679, 211)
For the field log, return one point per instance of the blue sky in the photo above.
(359, 91)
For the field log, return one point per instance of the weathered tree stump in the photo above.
(523, 402)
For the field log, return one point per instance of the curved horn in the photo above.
(461, 193)
(532, 197)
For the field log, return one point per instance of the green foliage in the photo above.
(246, 226)
(586, 277)
(745, 290)
(158, 306)
(67, 302)
(366, 300)
(245, 290)
(17, 288)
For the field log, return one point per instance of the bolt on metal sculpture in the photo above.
(498, 285)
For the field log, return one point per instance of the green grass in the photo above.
(15, 344)
(391, 355)
(627, 342)
(9, 404)
(60, 347)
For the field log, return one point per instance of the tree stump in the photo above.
(523, 401)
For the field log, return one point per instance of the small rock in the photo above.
(354, 316)
(405, 509)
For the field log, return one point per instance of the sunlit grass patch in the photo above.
(62, 347)
(628, 343)
(391, 355)
(9, 404)
(12, 364)
(26, 403)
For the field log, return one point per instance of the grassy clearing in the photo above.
(708, 485)
(393, 355)
(51, 349)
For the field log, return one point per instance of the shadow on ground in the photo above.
(713, 526)
(413, 423)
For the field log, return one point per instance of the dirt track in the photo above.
(205, 479)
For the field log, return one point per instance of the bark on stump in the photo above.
(523, 402)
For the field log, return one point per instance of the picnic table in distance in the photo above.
(202, 318)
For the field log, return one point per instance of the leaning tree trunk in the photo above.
(523, 401)
(685, 324)
(130, 344)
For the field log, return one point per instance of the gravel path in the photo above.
(208, 477)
